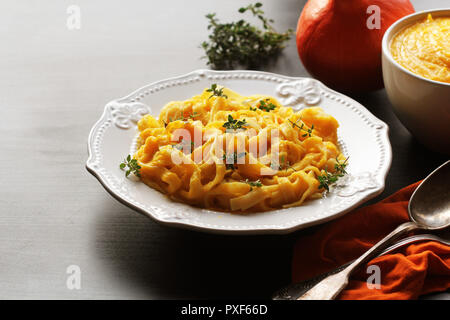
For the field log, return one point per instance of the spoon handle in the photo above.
(330, 287)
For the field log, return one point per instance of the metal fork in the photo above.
(293, 291)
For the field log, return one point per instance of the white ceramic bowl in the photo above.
(422, 105)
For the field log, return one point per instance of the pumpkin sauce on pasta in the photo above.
(223, 151)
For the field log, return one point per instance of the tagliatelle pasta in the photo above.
(237, 153)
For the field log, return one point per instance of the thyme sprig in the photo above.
(216, 91)
(285, 164)
(232, 158)
(185, 144)
(266, 105)
(328, 178)
(234, 124)
(252, 184)
(183, 118)
(131, 166)
(242, 44)
(308, 131)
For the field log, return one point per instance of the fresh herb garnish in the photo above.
(193, 115)
(252, 184)
(234, 123)
(232, 158)
(328, 178)
(266, 106)
(301, 127)
(184, 144)
(253, 109)
(340, 166)
(132, 166)
(218, 92)
(285, 164)
(183, 118)
(242, 44)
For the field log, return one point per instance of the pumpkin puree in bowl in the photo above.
(424, 48)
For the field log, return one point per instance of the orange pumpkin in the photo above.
(339, 41)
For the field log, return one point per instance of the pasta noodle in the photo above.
(271, 160)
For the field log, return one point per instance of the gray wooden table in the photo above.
(54, 83)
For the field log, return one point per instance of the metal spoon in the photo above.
(428, 209)
(295, 290)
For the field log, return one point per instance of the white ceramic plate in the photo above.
(362, 137)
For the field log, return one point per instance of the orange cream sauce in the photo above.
(424, 48)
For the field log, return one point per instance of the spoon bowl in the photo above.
(429, 205)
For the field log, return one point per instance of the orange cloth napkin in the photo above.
(407, 273)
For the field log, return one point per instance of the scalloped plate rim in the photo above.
(192, 225)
